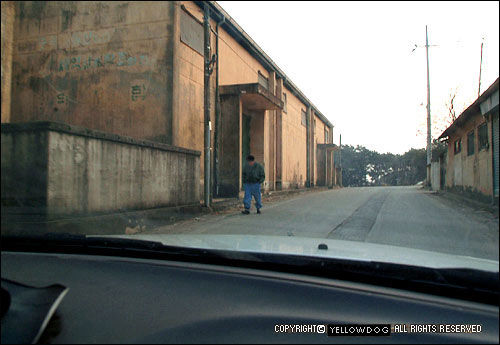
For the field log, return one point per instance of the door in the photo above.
(245, 138)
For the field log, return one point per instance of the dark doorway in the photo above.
(245, 137)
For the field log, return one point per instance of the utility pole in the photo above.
(340, 159)
(429, 138)
(429, 135)
(480, 69)
(206, 89)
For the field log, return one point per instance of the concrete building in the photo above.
(7, 44)
(136, 69)
(472, 155)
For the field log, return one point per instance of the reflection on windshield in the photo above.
(179, 122)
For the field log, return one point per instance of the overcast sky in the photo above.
(354, 61)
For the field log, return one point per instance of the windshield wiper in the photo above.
(461, 283)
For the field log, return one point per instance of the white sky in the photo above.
(353, 60)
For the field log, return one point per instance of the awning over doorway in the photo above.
(329, 147)
(254, 96)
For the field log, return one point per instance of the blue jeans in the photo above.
(252, 189)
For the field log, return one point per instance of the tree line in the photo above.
(364, 167)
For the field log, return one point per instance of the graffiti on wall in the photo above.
(138, 91)
(119, 59)
(61, 98)
(86, 38)
(70, 41)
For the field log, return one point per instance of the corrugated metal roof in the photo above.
(471, 110)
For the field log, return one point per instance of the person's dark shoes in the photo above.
(245, 212)
(258, 211)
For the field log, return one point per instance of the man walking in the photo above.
(253, 176)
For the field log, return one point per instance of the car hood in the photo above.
(337, 249)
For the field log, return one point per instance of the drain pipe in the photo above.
(308, 146)
(217, 110)
(206, 89)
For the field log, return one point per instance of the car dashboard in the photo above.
(112, 299)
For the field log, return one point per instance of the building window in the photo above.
(458, 146)
(304, 118)
(470, 143)
(284, 102)
(483, 136)
(326, 136)
(263, 80)
(191, 32)
(314, 127)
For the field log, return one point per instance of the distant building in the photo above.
(472, 157)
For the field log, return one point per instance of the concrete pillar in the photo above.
(329, 168)
(8, 16)
(308, 146)
(279, 137)
(272, 136)
(312, 146)
(334, 170)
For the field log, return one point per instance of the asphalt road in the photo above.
(402, 216)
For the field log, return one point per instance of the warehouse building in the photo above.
(136, 70)
(472, 156)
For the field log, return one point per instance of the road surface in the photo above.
(402, 216)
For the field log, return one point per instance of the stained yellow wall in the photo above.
(237, 66)
(8, 14)
(474, 171)
(103, 65)
(294, 143)
(82, 62)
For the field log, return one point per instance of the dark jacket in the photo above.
(254, 173)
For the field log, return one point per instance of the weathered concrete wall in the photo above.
(8, 14)
(104, 65)
(125, 68)
(470, 172)
(70, 171)
(294, 143)
(24, 170)
(319, 138)
(435, 175)
(189, 60)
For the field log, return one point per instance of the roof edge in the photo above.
(463, 116)
(241, 36)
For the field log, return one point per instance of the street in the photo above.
(401, 216)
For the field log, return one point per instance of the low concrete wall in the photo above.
(56, 171)
(435, 176)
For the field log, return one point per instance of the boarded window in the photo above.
(458, 146)
(304, 118)
(470, 143)
(483, 136)
(284, 102)
(326, 136)
(192, 32)
(263, 81)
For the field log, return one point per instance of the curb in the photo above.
(227, 204)
(469, 202)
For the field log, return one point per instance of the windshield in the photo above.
(337, 130)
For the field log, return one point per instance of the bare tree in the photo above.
(451, 110)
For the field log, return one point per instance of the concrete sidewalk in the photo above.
(460, 199)
(222, 204)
